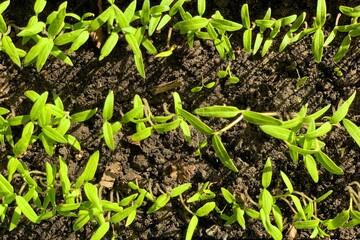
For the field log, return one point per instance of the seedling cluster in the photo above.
(137, 26)
(42, 195)
(38, 198)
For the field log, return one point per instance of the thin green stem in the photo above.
(184, 205)
(227, 127)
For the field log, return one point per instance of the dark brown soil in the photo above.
(266, 85)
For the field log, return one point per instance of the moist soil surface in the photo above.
(166, 160)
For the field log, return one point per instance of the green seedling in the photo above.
(166, 53)
(204, 193)
(164, 198)
(268, 207)
(53, 120)
(6, 43)
(338, 72)
(274, 26)
(260, 35)
(44, 45)
(306, 145)
(247, 35)
(201, 146)
(199, 88)
(301, 80)
(109, 130)
(146, 122)
(350, 217)
(352, 30)
(227, 73)
(215, 29)
(238, 213)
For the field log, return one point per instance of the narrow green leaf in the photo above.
(321, 131)
(38, 106)
(247, 40)
(349, 11)
(5, 186)
(108, 106)
(297, 23)
(68, 37)
(278, 217)
(32, 29)
(245, 17)
(140, 65)
(4, 5)
(195, 122)
(225, 25)
(286, 41)
(201, 6)
(15, 218)
(81, 221)
(218, 111)
(79, 41)
(271, 229)
(26, 209)
(311, 167)
(11, 50)
(266, 201)
(277, 132)
(191, 227)
(287, 182)
(164, 20)
(287, 20)
(298, 206)
(108, 135)
(228, 196)
(318, 44)
(64, 179)
(53, 134)
(143, 134)
(160, 202)
(265, 23)
(58, 23)
(317, 114)
(343, 49)
(266, 174)
(92, 194)
(324, 196)
(205, 209)
(44, 54)
(258, 40)
(352, 129)
(90, 169)
(339, 220)
(83, 116)
(101, 231)
(320, 13)
(145, 12)
(260, 119)
(308, 224)
(21, 146)
(222, 153)
(192, 24)
(101, 19)
(186, 130)
(109, 45)
(180, 189)
(123, 214)
(331, 36)
(328, 164)
(166, 127)
(342, 110)
(252, 213)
